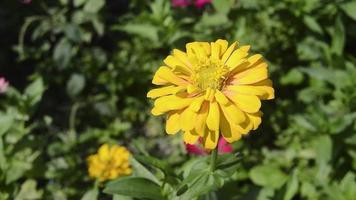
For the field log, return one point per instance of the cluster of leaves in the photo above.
(93, 61)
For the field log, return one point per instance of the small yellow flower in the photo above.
(109, 163)
(211, 89)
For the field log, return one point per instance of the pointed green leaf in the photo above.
(136, 187)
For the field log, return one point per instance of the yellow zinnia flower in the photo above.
(211, 89)
(109, 163)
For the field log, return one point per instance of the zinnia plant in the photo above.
(211, 93)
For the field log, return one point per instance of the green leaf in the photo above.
(338, 37)
(349, 8)
(160, 164)
(5, 122)
(223, 6)
(293, 77)
(121, 197)
(73, 32)
(312, 24)
(217, 19)
(62, 53)
(91, 195)
(3, 160)
(28, 191)
(323, 147)
(78, 3)
(93, 6)
(140, 171)
(292, 187)
(145, 31)
(201, 184)
(33, 92)
(136, 187)
(348, 185)
(268, 176)
(304, 122)
(75, 84)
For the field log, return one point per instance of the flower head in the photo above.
(211, 90)
(3, 85)
(185, 3)
(201, 3)
(181, 3)
(223, 147)
(109, 163)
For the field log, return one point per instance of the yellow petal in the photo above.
(255, 119)
(104, 152)
(156, 112)
(230, 134)
(232, 113)
(206, 47)
(214, 116)
(263, 92)
(228, 52)
(172, 102)
(159, 81)
(163, 91)
(210, 94)
(215, 51)
(245, 127)
(255, 60)
(193, 89)
(190, 137)
(240, 66)
(177, 65)
(187, 119)
(196, 49)
(196, 104)
(200, 122)
(164, 73)
(182, 56)
(210, 139)
(221, 98)
(223, 46)
(252, 75)
(265, 85)
(251, 62)
(247, 103)
(172, 124)
(237, 56)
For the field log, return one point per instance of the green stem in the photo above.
(213, 157)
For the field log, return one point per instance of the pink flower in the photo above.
(26, 1)
(181, 3)
(185, 3)
(201, 3)
(3, 85)
(223, 147)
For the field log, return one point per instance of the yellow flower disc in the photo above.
(109, 162)
(210, 90)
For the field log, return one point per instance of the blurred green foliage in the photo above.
(83, 68)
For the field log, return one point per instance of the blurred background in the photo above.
(74, 74)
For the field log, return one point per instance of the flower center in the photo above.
(210, 74)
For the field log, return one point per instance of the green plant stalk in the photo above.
(213, 157)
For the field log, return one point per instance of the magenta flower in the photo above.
(185, 3)
(181, 3)
(3, 85)
(26, 1)
(223, 147)
(201, 3)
